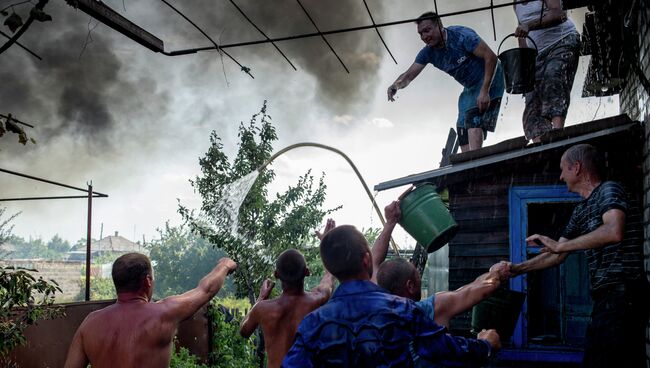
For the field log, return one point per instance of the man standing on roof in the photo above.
(558, 43)
(461, 53)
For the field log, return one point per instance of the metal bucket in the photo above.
(500, 311)
(426, 218)
(518, 67)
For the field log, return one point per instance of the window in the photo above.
(552, 324)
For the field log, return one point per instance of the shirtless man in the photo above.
(134, 332)
(280, 317)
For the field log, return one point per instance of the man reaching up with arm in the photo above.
(280, 317)
(461, 53)
(135, 332)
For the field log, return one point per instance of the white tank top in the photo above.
(543, 37)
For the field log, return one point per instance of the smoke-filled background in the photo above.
(134, 122)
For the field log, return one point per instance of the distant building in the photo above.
(110, 245)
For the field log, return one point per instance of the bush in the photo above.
(230, 350)
(182, 358)
(23, 300)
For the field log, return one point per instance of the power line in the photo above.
(323, 37)
(377, 30)
(21, 46)
(337, 31)
(245, 69)
(263, 34)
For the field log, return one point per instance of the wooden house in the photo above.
(500, 194)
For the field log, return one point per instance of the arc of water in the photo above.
(354, 167)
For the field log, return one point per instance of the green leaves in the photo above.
(230, 350)
(23, 300)
(12, 125)
(177, 248)
(40, 15)
(14, 21)
(267, 226)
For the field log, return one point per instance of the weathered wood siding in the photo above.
(479, 203)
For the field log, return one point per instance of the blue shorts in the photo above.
(468, 113)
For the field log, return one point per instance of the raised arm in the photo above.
(553, 16)
(484, 52)
(392, 213)
(251, 320)
(180, 307)
(76, 355)
(324, 289)
(404, 79)
(448, 304)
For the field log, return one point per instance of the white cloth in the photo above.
(543, 37)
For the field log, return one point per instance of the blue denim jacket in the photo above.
(364, 326)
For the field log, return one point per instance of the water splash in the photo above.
(224, 215)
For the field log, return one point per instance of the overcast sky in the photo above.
(135, 122)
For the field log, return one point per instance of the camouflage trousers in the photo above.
(554, 72)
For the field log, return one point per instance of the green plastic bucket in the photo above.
(500, 311)
(426, 218)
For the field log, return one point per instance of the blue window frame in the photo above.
(564, 282)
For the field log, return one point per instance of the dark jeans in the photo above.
(616, 334)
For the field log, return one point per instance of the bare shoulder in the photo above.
(271, 306)
(317, 297)
(98, 315)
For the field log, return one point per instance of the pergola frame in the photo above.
(90, 195)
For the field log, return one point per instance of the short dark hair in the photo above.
(433, 17)
(394, 273)
(291, 267)
(129, 270)
(588, 157)
(342, 250)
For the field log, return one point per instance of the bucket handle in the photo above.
(511, 35)
(412, 188)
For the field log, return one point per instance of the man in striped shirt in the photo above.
(616, 333)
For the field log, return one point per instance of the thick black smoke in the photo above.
(335, 88)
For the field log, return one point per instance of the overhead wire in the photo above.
(322, 36)
(377, 30)
(263, 34)
(337, 31)
(244, 69)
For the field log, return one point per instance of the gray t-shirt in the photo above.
(543, 37)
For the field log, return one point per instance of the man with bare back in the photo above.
(280, 317)
(135, 332)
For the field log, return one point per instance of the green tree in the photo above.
(181, 259)
(58, 245)
(37, 248)
(5, 225)
(266, 226)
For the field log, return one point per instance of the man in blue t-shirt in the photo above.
(607, 229)
(364, 326)
(461, 53)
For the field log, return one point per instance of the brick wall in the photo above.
(635, 101)
(67, 274)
